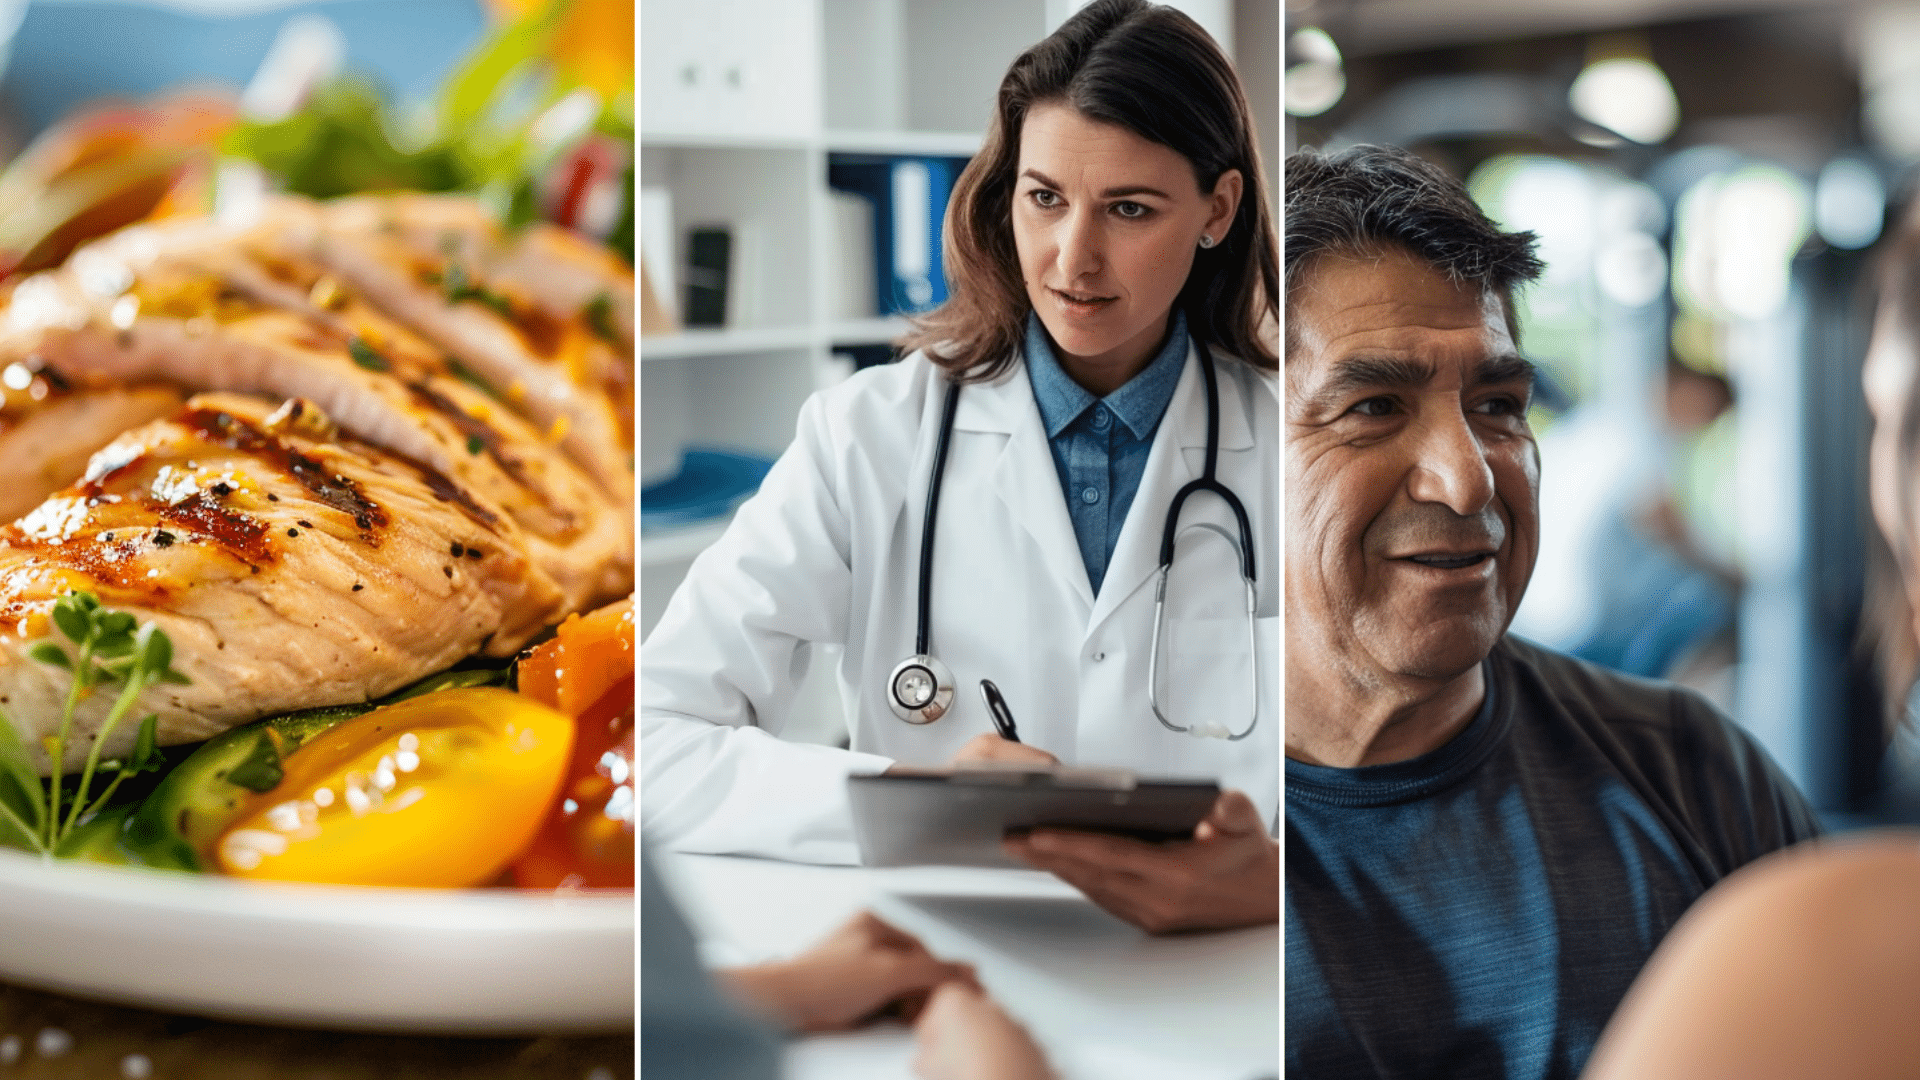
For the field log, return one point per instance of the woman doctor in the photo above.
(1109, 244)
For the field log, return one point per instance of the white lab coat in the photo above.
(828, 551)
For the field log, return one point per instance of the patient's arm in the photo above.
(859, 971)
(1805, 964)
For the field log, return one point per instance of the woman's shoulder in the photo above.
(894, 390)
(1255, 390)
(877, 415)
(1256, 384)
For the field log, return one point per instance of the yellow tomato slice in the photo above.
(437, 791)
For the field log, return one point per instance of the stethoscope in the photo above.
(920, 689)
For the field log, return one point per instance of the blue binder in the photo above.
(909, 197)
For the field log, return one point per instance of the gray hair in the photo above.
(1369, 197)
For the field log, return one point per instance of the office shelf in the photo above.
(723, 342)
(738, 125)
(932, 143)
(868, 331)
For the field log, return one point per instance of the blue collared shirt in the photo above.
(1100, 445)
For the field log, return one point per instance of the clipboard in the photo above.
(957, 817)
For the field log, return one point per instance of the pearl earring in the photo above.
(1206, 241)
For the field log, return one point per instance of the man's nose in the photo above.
(1082, 246)
(1450, 464)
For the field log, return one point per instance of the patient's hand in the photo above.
(1227, 876)
(855, 974)
(963, 1035)
(993, 748)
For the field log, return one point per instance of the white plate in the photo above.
(416, 960)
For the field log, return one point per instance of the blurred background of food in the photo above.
(1708, 178)
(119, 112)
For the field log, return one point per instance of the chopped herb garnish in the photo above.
(109, 648)
(465, 374)
(599, 315)
(475, 444)
(364, 355)
(459, 287)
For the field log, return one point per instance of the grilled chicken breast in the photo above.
(290, 565)
(242, 315)
(377, 475)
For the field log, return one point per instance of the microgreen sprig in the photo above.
(108, 647)
(458, 287)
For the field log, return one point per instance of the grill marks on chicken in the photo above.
(45, 443)
(290, 571)
(256, 313)
(352, 504)
(427, 264)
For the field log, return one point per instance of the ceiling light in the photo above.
(1628, 96)
(1316, 79)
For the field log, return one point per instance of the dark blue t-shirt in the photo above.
(1480, 910)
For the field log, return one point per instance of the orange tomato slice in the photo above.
(440, 790)
(586, 657)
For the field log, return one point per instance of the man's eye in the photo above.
(1374, 406)
(1499, 406)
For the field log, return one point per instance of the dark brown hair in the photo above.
(1155, 72)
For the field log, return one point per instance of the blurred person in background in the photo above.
(1624, 578)
(1807, 964)
(1485, 839)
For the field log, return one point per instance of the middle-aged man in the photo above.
(1484, 839)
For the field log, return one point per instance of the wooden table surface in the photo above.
(52, 1036)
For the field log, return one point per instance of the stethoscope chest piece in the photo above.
(920, 690)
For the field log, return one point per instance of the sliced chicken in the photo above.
(565, 274)
(207, 310)
(570, 379)
(291, 566)
(551, 269)
(45, 441)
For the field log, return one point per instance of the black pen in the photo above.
(997, 708)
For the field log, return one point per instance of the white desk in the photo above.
(1104, 999)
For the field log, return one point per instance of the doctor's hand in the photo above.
(861, 971)
(964, 1035)
(1227, 876)
(993, 748)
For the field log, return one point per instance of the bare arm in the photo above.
(864, 969)
(1804, 965)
